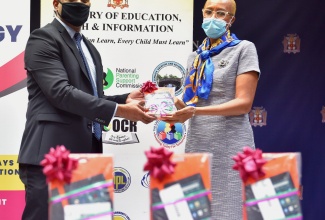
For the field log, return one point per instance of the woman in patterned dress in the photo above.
(219, 91)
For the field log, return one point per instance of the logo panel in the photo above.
(145, 181)
(121, 131)
(124, 78)
(118, 4)
(169, 74)
(169, 135)
(291, 43)
(257, 116)
(122, 179)
(120, 216)
(108, 79)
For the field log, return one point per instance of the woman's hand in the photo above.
(180, 116)
(179, 103)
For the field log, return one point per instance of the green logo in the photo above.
(107, 128)
(108, 79)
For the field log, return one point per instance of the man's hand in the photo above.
(134, 111)
(135, 95)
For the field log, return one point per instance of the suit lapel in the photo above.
(71, 44)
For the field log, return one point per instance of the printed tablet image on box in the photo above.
(275, 198)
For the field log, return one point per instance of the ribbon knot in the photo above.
(205, 55)
(57, 165)
(148, 87)
(159, 162)
(249, 163)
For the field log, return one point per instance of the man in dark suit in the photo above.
(67, 105)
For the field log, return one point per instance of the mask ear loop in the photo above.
(229, 23)
(56, 12)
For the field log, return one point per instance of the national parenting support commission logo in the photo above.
(169, 135)
(124, 78)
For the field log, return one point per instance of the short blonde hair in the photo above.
(233, 7)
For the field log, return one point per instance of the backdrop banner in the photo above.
(288, 113)
(150, 40)
(139, 41)
(14, 32)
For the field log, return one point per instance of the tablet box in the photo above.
(161, 101)
(276, 195)
(186, 193)
(90, 193)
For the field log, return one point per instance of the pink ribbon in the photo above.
(249, 163)
(58, 165)
(163, 108)
(159, 162)
(148, 87)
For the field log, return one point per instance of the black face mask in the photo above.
(75, 13)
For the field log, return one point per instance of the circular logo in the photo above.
(120, 216)
(169, 135)
(145, 181)
(122, 179)
(108, 79)
(169, 74)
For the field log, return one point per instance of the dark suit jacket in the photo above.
(61, 106)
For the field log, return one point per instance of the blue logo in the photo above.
(169, 135)
(169, 74)
(120, 216)
(122, 179)
(145, 181)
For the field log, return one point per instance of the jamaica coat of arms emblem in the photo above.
(257, 116)
(291, 43)
(323, 114)
(118, 3)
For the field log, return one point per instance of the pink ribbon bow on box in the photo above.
(249, 163)
(58, 165)
(163, 108)
(159, 162)
(148, 87)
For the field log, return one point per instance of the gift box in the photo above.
(185, 193)
(160, 102)
(276, 194)
(89, 195)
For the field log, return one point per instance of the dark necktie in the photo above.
(96, 126)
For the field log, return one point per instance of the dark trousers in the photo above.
(36, 188)
(97, 146)
(36, 192)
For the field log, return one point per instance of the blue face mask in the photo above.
(214, 27)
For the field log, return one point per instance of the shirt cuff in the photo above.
(115, 110)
